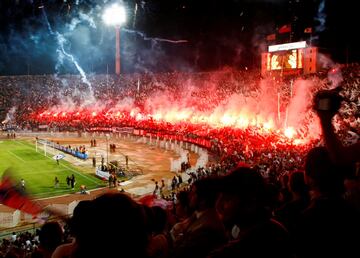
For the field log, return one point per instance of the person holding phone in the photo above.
(327, 104)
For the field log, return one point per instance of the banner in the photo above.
(107, 129)
(123, 130)
(59, 156)
(102, 174)
(77, 154)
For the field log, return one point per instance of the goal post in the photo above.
(43, 146)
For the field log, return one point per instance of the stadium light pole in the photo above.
(115, 15)
(107, 149)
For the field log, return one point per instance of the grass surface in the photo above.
(39, 171)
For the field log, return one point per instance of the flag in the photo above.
(285, 28)
(12, 196)
(308, 30)
(271, 37)
(151, 200)
(59, 156)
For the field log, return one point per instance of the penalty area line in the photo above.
(80, 174)
(76, 172)
(44, 172)
(16, 156)
(64, 195)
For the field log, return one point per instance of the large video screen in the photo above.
(284, 60)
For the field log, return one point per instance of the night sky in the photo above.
(219, 33)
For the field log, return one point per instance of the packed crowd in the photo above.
(40, 243)
(223, 213)
(25, 241)
(266, 196)
(66, 103)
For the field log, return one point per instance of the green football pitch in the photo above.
(39, 171)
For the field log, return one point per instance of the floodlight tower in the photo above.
(115, 15)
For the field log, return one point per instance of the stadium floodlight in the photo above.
(115, 15)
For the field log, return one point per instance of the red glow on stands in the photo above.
(268, 125)
(298, 141)
(241, 121)
(139, 117)
(157, 116)
(264, 111)
(289, 132)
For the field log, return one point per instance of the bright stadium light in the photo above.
(115, 15)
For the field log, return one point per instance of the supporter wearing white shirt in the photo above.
(13, 237)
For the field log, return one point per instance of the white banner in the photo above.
(59, 156)
(102, 174)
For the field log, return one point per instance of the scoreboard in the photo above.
(290, 58)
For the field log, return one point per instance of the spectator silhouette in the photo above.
(337, 151)
(242, 202)
(50, 237)
(289, 213)
(204, 230)
(102, 225)
(182, 205)
(158, 246)
(182, 212)
(329, 226)
(78, 225)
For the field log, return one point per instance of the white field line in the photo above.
(50, 192)
(76, 172)
(16, 156)
(57, 196)
(44, 172)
